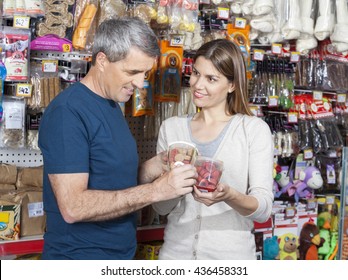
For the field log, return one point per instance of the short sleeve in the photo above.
(63, 140)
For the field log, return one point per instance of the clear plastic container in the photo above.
(209, 173)
(180, 153)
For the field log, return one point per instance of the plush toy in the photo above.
(285, 182)
(323, 222)
(310, 179)
(310, 241)
(329, 231)
(288, 244)
(276, 176)
(270, 248)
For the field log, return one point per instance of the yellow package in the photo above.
(240, 36)
(143, 98)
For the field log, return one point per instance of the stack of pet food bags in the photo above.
(21, 205)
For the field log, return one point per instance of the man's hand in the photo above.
(176, 182)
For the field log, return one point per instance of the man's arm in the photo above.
(77, 203)
(153, 168)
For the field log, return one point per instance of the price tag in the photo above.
(258, 55)
(295, 57)
(240, 23)
(254, 110)
(66, 48)
(177, 40)
(341, 98)
(272, 101)
(292, 117)
(223, 13)
(330, 199)
(308, 154)
(277, 48)
(290, 212)
(317, 95)
(49, 66)
(23, 90)
(311, 204)
(21, 21)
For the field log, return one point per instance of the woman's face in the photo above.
(209, 87)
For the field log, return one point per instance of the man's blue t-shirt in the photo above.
(82, 132)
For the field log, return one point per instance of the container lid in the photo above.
(184, 143)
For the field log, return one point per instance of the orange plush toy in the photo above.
(310, 241)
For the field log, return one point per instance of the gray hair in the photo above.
(115, 37)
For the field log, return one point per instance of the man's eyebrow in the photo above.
(134, 71)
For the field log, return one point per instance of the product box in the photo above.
(148, 251)
(9, 220)
(170, 72)
(285, 218)
(265, 228)
(307, 210)
(152, 250)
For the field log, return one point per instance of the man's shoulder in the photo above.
(71, 95)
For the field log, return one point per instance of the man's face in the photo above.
(119, 79)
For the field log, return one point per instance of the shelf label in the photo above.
(49, 66)
(277, 48)
(308, 154)
(341, 98)
(272, 101)
(317, 95)
(292, 117)
(240, 23)
(23, 90)
(295, 57)
(254, 110)
(330, 199)
(21, 21)
(177, 40)
(311, 204)
(259, 55)
(223, 13)
(290, 212)
(66, 47)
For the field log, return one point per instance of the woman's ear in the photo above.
(231, 88)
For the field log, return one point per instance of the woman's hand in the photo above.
(222, 193)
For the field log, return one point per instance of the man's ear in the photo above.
(101, 61)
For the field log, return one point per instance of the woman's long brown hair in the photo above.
(228, 59)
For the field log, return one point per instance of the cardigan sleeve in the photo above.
(260, 168)
(164, 207)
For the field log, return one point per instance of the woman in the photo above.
(219, 224)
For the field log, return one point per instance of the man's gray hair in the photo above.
(115, 37)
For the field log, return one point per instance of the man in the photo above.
(90, 156)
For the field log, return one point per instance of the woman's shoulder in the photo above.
(176, 120)
(254, 123)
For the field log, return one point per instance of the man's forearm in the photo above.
(150, 170)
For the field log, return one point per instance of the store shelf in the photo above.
(150, 233)
(25, 245)
(34, 244)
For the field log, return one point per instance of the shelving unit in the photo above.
(25, 245)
